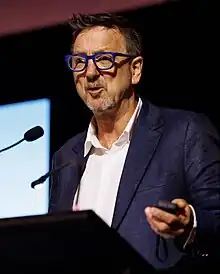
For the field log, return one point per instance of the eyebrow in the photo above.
(94, 52)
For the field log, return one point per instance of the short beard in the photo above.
(103, 106)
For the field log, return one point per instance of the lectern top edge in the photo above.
(48, 218)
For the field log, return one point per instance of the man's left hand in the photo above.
(170, 226)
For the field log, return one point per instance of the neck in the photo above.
(111, 125)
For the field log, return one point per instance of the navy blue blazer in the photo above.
(173, 154)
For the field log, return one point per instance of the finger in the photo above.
(172, 224)
(162, 216)
(175, 222)
(165, 230)
(161, 228)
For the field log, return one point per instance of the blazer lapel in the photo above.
(146, 135)
(73, 174)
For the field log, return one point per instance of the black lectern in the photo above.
(73, 242)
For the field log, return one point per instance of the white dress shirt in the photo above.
(100, 180)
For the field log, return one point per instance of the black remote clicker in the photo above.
(167, 206)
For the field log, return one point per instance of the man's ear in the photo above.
(136, 69)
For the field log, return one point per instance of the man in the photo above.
(136, 153)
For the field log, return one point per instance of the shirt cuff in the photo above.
(192, 233)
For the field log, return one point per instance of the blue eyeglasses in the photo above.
(102, 60)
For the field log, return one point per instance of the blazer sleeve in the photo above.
(202, 171)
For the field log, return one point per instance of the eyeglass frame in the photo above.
(92, 57)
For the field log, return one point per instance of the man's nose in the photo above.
(91, 71)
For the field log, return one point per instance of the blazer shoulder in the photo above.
(182, 116)
(70, 143)
(188, 122)
(175, 114)
(66, 150)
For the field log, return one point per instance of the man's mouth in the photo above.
(94, 90)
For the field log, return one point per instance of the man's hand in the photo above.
(170, 226)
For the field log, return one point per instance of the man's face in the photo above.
(103, 90)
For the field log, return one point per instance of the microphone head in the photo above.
(33, 134)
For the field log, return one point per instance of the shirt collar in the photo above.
(92, 140)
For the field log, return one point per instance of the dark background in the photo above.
(181, 62)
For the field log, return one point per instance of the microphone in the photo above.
(43, 178)
(29, 136)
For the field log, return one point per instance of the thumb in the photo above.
(185, 213)
(180, 203)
